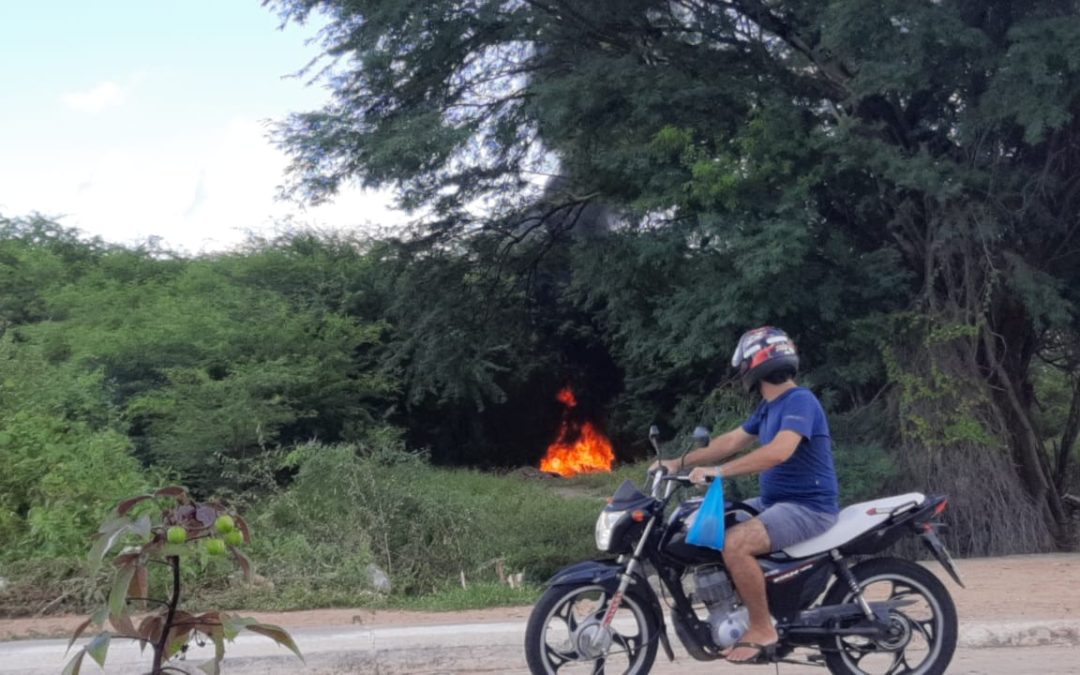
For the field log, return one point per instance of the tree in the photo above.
(928, 149)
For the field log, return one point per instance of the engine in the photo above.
(727, 617)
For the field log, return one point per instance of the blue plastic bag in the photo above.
(708, 527)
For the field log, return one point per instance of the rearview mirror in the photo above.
(701, 437)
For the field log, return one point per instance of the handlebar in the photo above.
(685, 478)
(677, 477)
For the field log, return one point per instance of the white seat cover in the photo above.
(853, 521)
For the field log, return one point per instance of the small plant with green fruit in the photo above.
(159, 529)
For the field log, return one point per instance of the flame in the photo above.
(566, 397)
(579, 448)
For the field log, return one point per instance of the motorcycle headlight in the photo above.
(605, 525)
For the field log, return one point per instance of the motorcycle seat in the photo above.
(852, 522)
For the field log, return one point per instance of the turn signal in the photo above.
(638, 516)
(941, 507)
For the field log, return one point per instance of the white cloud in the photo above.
(97, 98)
(200, 192)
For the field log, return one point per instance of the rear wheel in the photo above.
(923, 632)
(566, 636)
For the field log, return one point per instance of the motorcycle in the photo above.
(855, 615)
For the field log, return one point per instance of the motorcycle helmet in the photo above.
(762, 352)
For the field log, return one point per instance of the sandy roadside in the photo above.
(1014, 588)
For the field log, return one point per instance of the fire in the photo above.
(580, 448)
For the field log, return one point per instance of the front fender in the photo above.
(606, 573)
(601, 572)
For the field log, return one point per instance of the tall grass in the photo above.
(354, 508)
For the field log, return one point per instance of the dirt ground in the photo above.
(998, 589)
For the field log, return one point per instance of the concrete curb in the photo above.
(987, 635)
(430, 650)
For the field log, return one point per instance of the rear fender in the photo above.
(606, 573)
(927, 526)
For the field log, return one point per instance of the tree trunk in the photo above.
(1008, 347)
(1068, 440)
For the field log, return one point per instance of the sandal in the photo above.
(765, 653)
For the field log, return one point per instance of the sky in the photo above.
(130, 119)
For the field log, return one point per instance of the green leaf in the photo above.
(178, 550)
(141, 526)
(231, 626)
(217, 634)
(99, 648)
(119, 593)
(109, 533)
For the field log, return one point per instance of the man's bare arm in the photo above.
(720, 447)
(762, 459)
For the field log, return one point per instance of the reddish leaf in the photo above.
(122, 623)
(123, 507)
(243, 561)
(176, 491)
(127, 559)
(75, 664)
(205, 514)
(150, 628)
(277, 634)
(79, 631)
(178, 637)
(242, 525)
(183, 513)
(140, 583)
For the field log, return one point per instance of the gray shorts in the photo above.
(789, 523)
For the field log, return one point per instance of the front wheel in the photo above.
(566, 636)
(923, 632)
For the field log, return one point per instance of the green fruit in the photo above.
(234, 538)
(215, 546)
(176, 535)
(225, 524)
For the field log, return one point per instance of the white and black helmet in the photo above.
(763, 351)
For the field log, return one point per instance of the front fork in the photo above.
(627, 577)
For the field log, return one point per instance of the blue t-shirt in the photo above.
(808, 476)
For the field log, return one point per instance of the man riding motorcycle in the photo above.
(799, 492)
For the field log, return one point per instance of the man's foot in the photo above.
(753, 645)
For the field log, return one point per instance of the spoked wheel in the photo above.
(922, 633)
(566, 635)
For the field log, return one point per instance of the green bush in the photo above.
(59, 480)
(357, 505)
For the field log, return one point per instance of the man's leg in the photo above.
(742, 544)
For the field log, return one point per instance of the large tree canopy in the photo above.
(898, 182)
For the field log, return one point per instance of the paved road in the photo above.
(490, 648)
(999, 661)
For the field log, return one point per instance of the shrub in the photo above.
(142, 531)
